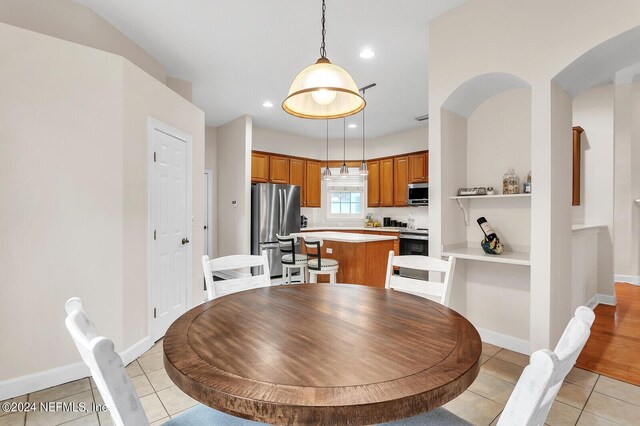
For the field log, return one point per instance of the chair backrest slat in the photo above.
(234, 262)
(540, 381)
(313, 248)
(287, 245)
(439, 292)
(106, 367)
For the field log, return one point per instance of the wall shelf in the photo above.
(472, 253)
(477, 197)
(474, 197)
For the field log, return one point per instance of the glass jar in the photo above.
(510, 182)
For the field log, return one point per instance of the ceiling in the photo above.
(239, 54)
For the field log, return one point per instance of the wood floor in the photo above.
(613, 348)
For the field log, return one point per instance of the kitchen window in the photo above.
(345, 198)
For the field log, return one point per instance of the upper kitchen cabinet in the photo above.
(297, 177)
(373, 184)
(400, 181)
(386, 182)
(279, 169)
(419, 167)
(313, 183)
(259, 167)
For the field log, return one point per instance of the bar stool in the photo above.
(291, 260)
(317, 264)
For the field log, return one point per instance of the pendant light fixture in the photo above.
(364, 171)
(323, 90)
(326, 173)
(344, 170)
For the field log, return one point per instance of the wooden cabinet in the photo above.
(400, 181)
(373, 184)
(297, 174)
(313, 183)
(418, 168)
(279, 169)
(259, 167)
(386, 182)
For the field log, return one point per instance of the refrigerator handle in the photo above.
(280, 211)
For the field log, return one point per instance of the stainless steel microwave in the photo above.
(418, 194)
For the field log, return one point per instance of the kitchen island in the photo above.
(362, 257)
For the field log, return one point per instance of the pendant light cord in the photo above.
(363, 128)
(327, 144)
(323, 50)
(344, 141)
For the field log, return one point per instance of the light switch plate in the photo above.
(329, 250)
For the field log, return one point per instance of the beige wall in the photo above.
(211, 162)
(74, 171)
(62, 176)
(234, 185)
(499, 137)
(270, 140)
(627, 182)
(181, 87)
(593, 110)
(71, 21)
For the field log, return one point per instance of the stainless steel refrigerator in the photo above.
(275, 209)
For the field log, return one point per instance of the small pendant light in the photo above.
(323, 90)
(364, 171)
(326, 173)
(344, 170)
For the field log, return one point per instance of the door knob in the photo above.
(185, 241)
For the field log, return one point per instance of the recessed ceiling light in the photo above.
(267, 104)
(367, 53)
(353, 125)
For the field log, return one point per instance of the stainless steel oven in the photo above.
(418, 194)
(415, 242)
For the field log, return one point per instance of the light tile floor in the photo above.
(585, 398)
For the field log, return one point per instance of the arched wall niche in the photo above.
(472, 93)
(599, 65)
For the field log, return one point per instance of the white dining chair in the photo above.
(239, 266)
(538, 385)
(291, 259)
(433, 290)
(114, 384)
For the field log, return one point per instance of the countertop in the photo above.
(345, 237)
(350, 228)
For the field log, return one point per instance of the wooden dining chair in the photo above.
(537, 387)
(114, 384)
(433, 290)
(239, 265)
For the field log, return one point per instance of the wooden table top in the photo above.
(322, 354)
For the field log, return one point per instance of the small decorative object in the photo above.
(368, 220)
(510, 182)
(490, 243)
(465, 192)
(490, 191)
(527, 184)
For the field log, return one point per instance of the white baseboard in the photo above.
(504, 341)
(631, 279)
(67, 373)
(604, 299)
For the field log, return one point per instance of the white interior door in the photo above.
(170, 211)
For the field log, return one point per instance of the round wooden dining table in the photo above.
(313, 354)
